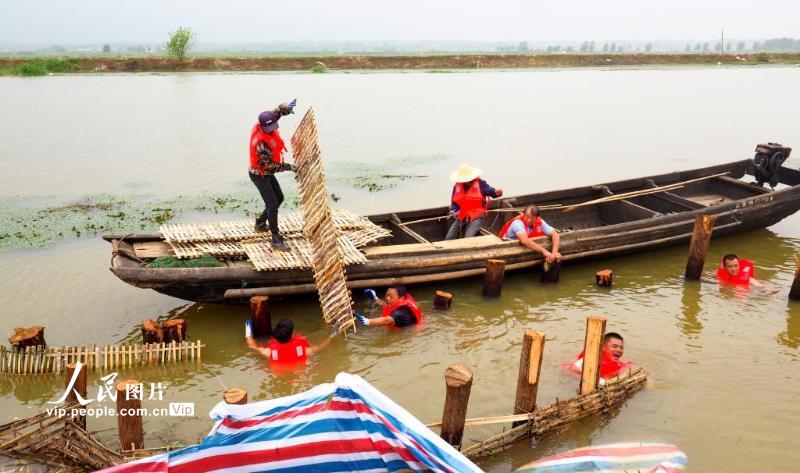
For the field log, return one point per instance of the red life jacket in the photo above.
(608, 366)
(272, 139)
(534, 231)
(406, 301)
(746, 271)
(472, 203)
(293, 351)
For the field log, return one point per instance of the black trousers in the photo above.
(271, 193)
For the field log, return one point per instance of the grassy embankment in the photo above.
(41, 66)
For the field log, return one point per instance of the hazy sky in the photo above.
(101, 21)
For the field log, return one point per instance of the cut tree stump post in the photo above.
(551, 272)
(458, 379)
(698, 248)
(493, 279)
(794, 292)
(151, 333)
(604, 278)
(27, 337)
(235, 396)
(131, 432)
(79, 386)
(261, 316)
(442, 300)
(174, 330)
(530, 364)
(592, 352)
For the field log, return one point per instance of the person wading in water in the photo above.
(267, 151)
(397, 309)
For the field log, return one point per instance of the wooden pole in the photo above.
(551, 272)
(794, 292)
(27, 337)
(530, 364)
(174, 330)
(493, 279)
(458, 379)
(261, 316)
(701, 237)
(235, 396)
(79, 386)
(592, 352)
(604, 278)
(442, 300)
(131, 432)
(151, 333)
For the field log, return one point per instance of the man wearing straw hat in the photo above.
(469, 201)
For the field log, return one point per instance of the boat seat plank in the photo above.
(744, 185)
(448, 245)
(152, 249)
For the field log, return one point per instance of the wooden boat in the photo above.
(634, 215)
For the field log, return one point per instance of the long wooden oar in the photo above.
(652, 190)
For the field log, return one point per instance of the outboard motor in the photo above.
(767, 162)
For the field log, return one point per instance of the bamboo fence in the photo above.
(319, 229)
(561, 414)
(41, 360)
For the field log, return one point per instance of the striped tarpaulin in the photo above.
(343, 426)
(613, 458)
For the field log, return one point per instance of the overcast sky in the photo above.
(107, 21)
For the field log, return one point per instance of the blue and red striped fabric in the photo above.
(613, 458)
(344, 426)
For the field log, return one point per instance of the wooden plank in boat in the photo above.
(451, 245)
(152, 249)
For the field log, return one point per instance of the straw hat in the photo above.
(465, 173)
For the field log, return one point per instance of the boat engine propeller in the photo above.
(767, 162)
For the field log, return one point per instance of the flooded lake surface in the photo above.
(724, 366)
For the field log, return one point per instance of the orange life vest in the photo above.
(272, 139)
(746, 271)
(533, 231)
(472, 203)
(293, 351)
(608, 366)
(406, 301)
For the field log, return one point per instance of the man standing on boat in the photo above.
(469, 201)
(267, 151)
(528, 226)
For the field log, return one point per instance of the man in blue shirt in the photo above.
(528, 226)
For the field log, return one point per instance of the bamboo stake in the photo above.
(131, 433)
(458, 379)
(79, 387)
(530, 365)
(698, 247)
(493, 278)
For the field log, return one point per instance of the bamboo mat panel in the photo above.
(264, 258)
(319, 230)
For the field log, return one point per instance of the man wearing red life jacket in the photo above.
(469, 201)
(398, 309)
(286, 348)
(267, 151)
(528, 226)
(735, 271)
(611, 363)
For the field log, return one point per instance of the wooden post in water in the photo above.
(175, 330)
(442, 300)
(701, 237)
(530, 364)
(261, 316)
(551, 272)
(27, 337)
(79, 387)
(604, 278)
(458, 379)
(592, 352)
(235, 396)
(151, 333)
(493, 279)
(794, 292)
(131, 432)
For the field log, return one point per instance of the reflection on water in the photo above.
(721, 365)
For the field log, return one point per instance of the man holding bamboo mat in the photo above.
(267, 151)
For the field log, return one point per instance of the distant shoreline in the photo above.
(33, 66)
